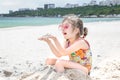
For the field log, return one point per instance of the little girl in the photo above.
(76, 47)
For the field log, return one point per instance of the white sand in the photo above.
(20, 51)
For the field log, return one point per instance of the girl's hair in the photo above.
(75, 21)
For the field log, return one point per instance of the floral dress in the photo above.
(84, 57)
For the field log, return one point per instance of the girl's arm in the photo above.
(54, 50)
(58, 45)
(80, 44)
(52, 47)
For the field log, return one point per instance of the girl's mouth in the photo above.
(64, 33)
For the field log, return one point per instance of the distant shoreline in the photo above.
(92, 16)
(7, 22)
(82, 11)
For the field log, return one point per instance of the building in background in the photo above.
(109, 2)
(68, 5)
(24, 9)
(93, 2)
(10, 11)
(48, 6)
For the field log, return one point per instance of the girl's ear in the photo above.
(77, 30)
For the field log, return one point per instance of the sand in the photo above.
(21, 53)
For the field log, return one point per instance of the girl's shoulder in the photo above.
(84, 43)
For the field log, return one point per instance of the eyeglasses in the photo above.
(63, 26)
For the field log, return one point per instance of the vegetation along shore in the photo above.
(82, 11)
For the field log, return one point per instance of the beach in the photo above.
(21, 52)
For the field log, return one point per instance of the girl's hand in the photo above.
(44, 38)
(47, 37)
(51, 36)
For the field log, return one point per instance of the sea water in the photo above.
(40, 21)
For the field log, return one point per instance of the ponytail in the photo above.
(85, 30)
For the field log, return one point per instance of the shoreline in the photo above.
(14, 22)
(92, 16)
(37, 26)
(21, 51)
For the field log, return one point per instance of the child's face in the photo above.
(67, 30)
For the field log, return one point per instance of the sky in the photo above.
(6, 5)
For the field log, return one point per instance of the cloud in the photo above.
(8, 3)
